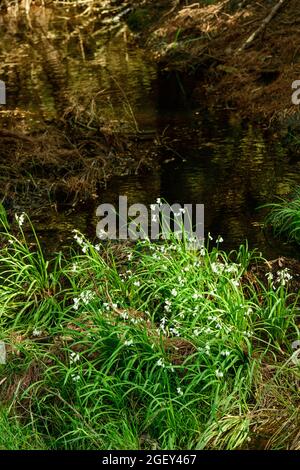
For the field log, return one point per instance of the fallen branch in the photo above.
(263, 25)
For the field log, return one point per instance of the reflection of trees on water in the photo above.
(232, 177)
(53, 63)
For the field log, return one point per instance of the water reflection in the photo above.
(208, 158)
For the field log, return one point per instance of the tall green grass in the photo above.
(161, 348)
(284, 217)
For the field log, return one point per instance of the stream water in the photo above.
(207, 157)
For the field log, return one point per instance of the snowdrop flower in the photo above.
(196, 296)
(232, 268)
(37, 332)
(179, 391)
(225, 353)
(75, 378)
(210, 237)
(219, 374)
(161, 363)
(202, 251)
(235, 283)
(20, 219)
(174, 331)
(283, 277)
(167, 306)
(220, 239)
(128, 342)
(76, 301)
(137, 283)
(269, 276)
(174, 292)
(74, 357)
(217, 268)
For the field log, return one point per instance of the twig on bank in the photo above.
(264, 23)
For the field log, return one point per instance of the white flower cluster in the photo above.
(74, 357)
(84, 297)
(20, 219)
(81, 241)
(282, 278)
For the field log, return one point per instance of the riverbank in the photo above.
(209, 39)
(154, 347)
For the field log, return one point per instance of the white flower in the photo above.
(161, 363)
(85, 297)
(179, 391)
(249, 311)
(37, 332)
(75, 378)
(137, 283)
(74, 268)
(196, 296)
(269, 276)
(283, 277)
(220, 239)
(128, 342)
(174, 292)
(20, 219)
(219, 374)
(74, 357)
(217, 268)
(225, 353)
(174, 331)
(210, 237)
(232, 268)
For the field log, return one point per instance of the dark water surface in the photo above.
(207, 157)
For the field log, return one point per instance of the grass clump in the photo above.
(284, 217)
(163, 347)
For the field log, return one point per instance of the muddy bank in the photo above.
(209, 41)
